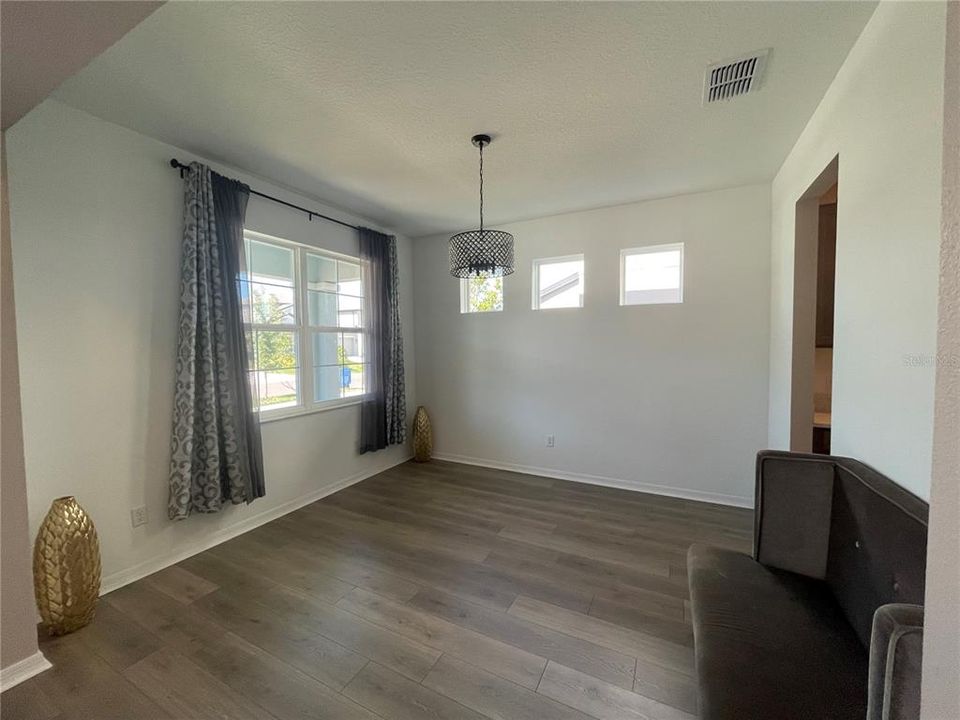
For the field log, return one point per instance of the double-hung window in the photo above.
(304, 314)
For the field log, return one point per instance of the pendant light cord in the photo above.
(481, 188)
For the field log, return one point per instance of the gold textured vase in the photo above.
(66, 567)
(422, 436)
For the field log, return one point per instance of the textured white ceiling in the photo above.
(370, 106)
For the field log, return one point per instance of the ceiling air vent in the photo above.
(734, 77)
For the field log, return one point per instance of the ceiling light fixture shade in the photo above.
(481, 253)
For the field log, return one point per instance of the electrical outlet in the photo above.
(551, 441)
(138, 516)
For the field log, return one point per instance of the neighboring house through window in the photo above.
(558, 282)
(651, 275)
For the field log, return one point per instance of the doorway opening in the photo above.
(823, 347)
(814, 282)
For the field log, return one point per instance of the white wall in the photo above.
(19, 656)
(941, 641)
(96, 217)
(883, 117)
(669, 398)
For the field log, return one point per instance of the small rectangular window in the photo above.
(651, 275)
(558, 282)
(478, 294)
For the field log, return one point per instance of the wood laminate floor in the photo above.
(437, 591)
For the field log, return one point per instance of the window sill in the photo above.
(295, 412)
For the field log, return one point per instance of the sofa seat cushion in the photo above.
(770, 644)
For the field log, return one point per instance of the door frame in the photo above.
(805, 249)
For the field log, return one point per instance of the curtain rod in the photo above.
(311, 214)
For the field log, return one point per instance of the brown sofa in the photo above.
(825, 620)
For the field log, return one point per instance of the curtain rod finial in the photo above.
(177, 165)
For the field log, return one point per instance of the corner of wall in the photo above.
(18, 647)
(941, 647)
(888, 140)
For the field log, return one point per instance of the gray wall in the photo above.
(667, 398)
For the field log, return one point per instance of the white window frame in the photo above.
(465, 299)
(303, 330)
(535, 290)
(649, 249)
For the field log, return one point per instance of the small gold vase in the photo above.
(66, 567)
(422, 436)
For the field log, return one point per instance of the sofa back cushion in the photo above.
(878, 544)
(794, 501)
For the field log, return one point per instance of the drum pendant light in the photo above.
(481, 253)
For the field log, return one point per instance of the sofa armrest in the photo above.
(896, 645)
(794, 501)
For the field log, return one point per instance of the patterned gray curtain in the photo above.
(216, 453)
(383, 411)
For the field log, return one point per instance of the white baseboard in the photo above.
(683, 493)
(148, 567)
(24, 670)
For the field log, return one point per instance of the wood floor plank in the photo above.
(116, 638)
(424, 504)
(181, 627)
(181, 584)
(382, 583)
(430, 590)
(476, 581)
(648, 563)
(396, 509)
(601, 662)
(647, 601)
(278, 688)
(583, 573)
(280, 566)
(616, 576)
(667, 686)
(504, 660)
(636, 617)
(663, 652)
(396, 533)
(505, 513)
(421, 567)
(602, 700)
(228, 575)
(393, 696)
(27, 701)
(84, 686)
(277, 632)
(187, 692)
(301, 617)
(493, 696)
(604, 535)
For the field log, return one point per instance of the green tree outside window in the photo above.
(485, 294)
